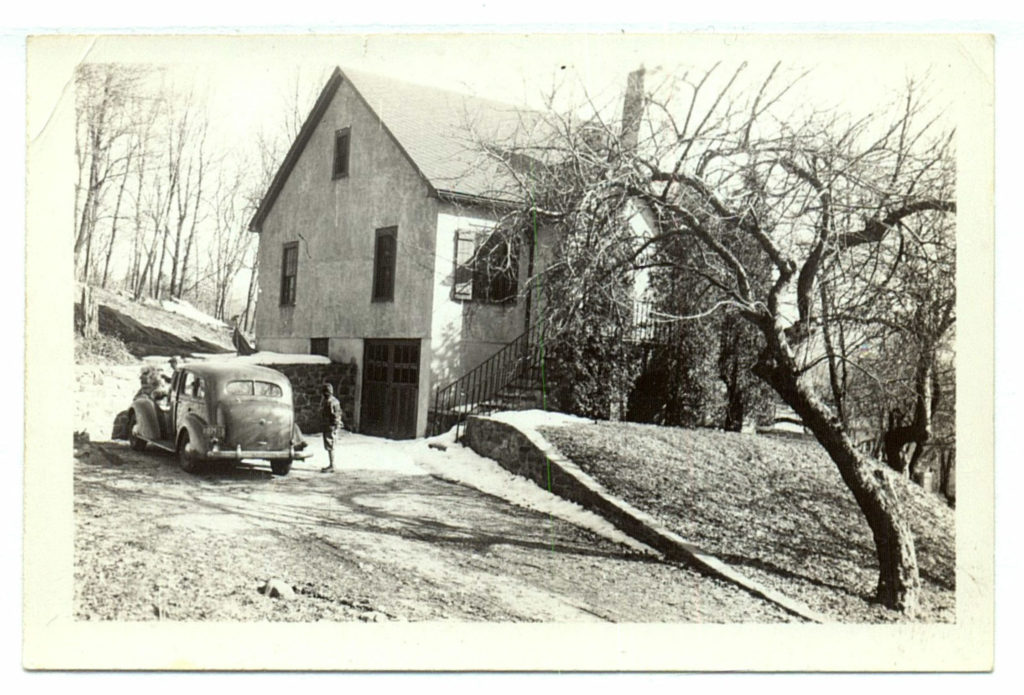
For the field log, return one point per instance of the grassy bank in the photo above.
(774, 508)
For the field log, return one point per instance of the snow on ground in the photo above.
(460, 464)
(267, 357)
(359, 452)
(183, 308)
(532, 419)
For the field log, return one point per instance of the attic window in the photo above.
(341, 148)
(486, 266)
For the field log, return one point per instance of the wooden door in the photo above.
(391, 372)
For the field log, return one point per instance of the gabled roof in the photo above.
(439, 131)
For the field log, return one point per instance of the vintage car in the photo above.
(220, 411)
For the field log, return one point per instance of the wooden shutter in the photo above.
(465, 251)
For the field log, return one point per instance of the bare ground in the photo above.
(153, 542)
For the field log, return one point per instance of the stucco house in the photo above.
(371, 237)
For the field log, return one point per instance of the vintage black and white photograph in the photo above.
(383, 333)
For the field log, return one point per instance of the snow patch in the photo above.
(359, 452)
(531, 419)
(460, 464)
(183, 308)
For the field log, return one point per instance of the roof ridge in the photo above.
(357, 72)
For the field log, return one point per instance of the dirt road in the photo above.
(374, 544)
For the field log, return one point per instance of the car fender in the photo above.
(146, 419)
(194, 425)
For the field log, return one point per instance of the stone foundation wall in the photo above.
(306, 382)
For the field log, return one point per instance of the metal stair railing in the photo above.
(471, 393)
(650, 326)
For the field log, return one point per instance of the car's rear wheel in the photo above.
(187, 458)
(134, 440)
(281, 467)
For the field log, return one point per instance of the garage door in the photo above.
(391, 373)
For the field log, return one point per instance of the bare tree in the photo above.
(725, 163)
(233, 245)
(272, 144)
(106, 114)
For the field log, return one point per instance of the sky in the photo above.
(248, 78)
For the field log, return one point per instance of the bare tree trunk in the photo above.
(156, 290)
(838, 388)
(197, 198)
(946, 473)
(734, 409)
(250, 297)
(90, 314)
(899, 581)
(113, 227)
(919, 430)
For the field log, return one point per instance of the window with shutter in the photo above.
(486, 266)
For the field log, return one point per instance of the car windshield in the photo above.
(254, 388)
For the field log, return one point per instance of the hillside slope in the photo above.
(165, 327)
(775, 508)
(108, 366)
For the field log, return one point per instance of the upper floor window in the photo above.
(341, 148)
(486, 266)
(385, 250)
(289, 272)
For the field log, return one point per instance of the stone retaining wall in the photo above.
(525, 452)
(306, 382)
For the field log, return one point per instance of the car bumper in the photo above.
(238, 454)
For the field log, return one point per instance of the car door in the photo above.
(165, 411)
(191, 400)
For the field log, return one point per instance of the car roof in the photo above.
(221, 371)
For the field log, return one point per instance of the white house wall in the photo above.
(466, 333)
(334, 223)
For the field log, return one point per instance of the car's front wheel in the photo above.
(187, 456)
(134, 440)
(281, 467)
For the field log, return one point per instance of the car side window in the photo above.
(189, 385)
(268, 390)
(200, 387)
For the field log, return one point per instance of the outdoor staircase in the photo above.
(519, 375)
(514, 378)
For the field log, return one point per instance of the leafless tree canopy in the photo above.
(161, 207)
(849, 208)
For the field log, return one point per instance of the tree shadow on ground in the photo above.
(764, 566)
(362, 502)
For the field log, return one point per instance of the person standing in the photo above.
(331, 422)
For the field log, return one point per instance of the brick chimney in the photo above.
(632, 109)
